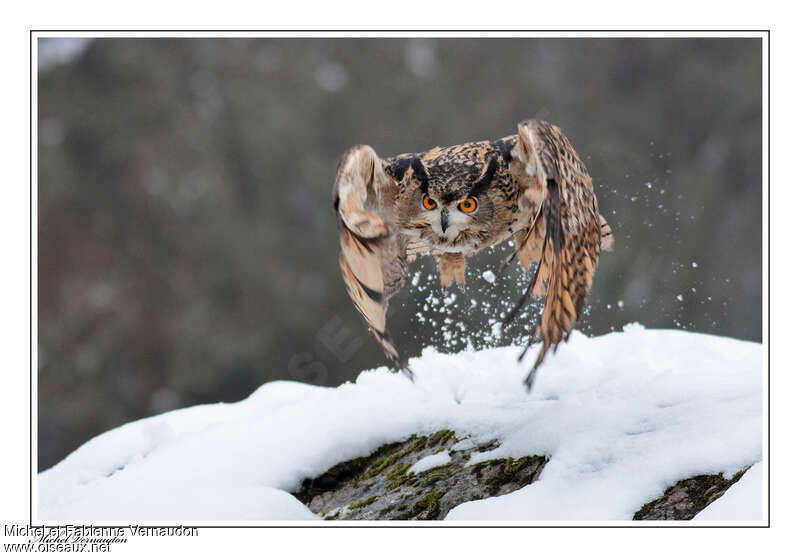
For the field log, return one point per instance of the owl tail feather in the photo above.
(575, 259)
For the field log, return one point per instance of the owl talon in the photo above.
(505, 263)
(530, 379)
(408, 374)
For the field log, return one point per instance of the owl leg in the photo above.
(606, 236)
(451, 268)
(522, 247)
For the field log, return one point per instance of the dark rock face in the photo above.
(688, 497)
(381, 486)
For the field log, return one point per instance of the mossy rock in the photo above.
(686, 498)
(379, 486)
(428, 505)
(363, 503)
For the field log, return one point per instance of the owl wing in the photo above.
(373, 251)
(565, 235)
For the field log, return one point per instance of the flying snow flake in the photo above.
(488, 276)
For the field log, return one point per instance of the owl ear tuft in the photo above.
(396, 167)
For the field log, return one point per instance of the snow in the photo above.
(429, 462)
(621, 416)
(489, 276)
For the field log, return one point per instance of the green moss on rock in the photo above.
(414, 444)
(397, 476)
(436, 474)
(428, 505)
(398, 471)
(512, 466)
(440, 438)
(348, 490)
(488, 446)
(380, 464)
(363, 503)
(419, 443)
(687, 497)
(496, 473)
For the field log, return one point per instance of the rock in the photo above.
(688, 497)
(380, 486)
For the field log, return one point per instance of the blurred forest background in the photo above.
(187, 247)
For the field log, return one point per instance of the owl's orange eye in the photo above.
(468, 205)
(428, 202)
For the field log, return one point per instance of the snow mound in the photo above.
(621, 416)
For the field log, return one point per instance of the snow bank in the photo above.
(622, 417)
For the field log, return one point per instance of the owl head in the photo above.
(451, 197)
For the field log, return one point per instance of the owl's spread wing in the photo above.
(373, 252)
(566, 232)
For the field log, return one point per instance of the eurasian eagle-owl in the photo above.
(455, 201)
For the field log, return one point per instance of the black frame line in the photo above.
(404, 33)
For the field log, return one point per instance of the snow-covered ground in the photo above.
(622, 417)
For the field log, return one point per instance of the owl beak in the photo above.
(444, 220)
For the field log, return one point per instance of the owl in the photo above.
(452, 202)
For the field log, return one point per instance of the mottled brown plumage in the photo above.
(452, 203)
